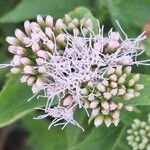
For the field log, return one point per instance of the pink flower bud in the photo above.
(19, 34)
(98, 120)
(49, 21)
(121, 92)
(113, 44)
(40, 61)
(29, 70)
(101, 87)
(26, 41)
(112, 106)
(21, 51)
(43, 54)
(107, 95)
(49, 32)
(67, 101)
(35, 89)
(59, 24)
(98, 46)
(114, 36)
(27, 27)
(16, 60)
(24, 78)
(42, 70)
(95, 111)
(50, 45)
(125, 60)
(31, 80)
(114, 92)
(13, 41)
(26, 61)
(39, 83)
(116, 122)
(105, 83)
(40, 20)
(94, 104)
(35, 27)
(12, 49)
(105, 105)
(113, 77)
(88, 23)
(116, 115)
(35, 47)
(61, 38)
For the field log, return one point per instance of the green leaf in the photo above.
(30, 9)
(72, 138)
(126, 10)
(42, 139)
(13, 101)
(102, 138)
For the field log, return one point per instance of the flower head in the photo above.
(139, 134)
(68, 58)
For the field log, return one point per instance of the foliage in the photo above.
(131, 14)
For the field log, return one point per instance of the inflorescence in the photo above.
(68, 59)
(139, 135)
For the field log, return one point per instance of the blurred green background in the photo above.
(18, 130)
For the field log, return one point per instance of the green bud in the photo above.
(119, 70)
(127, 70)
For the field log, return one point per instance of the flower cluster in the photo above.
(139, 135)
(67, 58)
(118, 82)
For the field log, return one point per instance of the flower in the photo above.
(67, 59)
(139, 134)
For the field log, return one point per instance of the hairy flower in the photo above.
(69, 58)
(139, 135)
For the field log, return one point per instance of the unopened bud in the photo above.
(101, 87)
(26, 61)
(98, 120)
(31, 80)
(49, 21)
(113, 77)
(59, 25)
(107, 121)
(67, 101)
(94, 104)
(13, 41)
(127, 70)
(105, 105)
(107, 95)
(40, 20)
(43, 54)
(15, 70)
(24, 78)
(128, 108)
(27, 27)
(95, 111)
(29, 70)
(110, 71)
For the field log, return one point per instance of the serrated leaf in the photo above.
(13, 101)
(30, 9)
